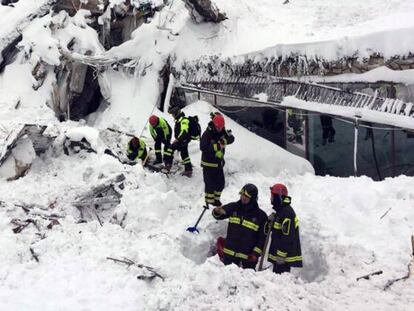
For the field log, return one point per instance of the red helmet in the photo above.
(218, 122)
(279, 189)
(153, 120)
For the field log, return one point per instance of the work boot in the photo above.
(187, 173)
(217, 203)
(166, 169)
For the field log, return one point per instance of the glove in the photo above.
(280, 260)
(272, 217)
(252, 258)
(219, 154)
(222, 143)
(174, 145)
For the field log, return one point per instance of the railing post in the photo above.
(356, 148)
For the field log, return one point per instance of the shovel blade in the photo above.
(192, 229)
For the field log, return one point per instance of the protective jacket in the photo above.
(212, 153)
(245, 232)
(285, 235)
(162, 131)
(182, 129)
(137, 153)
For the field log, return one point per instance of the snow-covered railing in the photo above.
(276, 89)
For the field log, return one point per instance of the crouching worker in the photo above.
(245, 231)
(137, 150)
(284, 251)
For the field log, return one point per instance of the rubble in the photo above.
(204, 11)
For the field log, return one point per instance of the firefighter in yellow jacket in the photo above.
(137, 150)
(161, 133)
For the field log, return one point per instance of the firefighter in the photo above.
(213, 145)
(161, 133)
(137, 150)
(245, 232)
(182, 139)
(284, 251)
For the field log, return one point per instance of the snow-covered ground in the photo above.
(343, 237)
(349, 226)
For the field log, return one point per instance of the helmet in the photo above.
(175, 111)
(153, 120)
(279, 189)
(218, 122)
(134, 142)
(250, 191)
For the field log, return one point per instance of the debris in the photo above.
(204, 11)
(366, 277)
(385, 213)
(410, 267)
(104, 197)
(148, 273)
(34, 255)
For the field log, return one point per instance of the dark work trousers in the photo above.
(228, 260)
(279, 269)
(158, 151)
(183, 148)
(213, 184)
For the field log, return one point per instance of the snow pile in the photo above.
(330, 30)
(349, 227)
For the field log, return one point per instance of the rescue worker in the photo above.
(213, 145)
(245, 232)
(284, 251)
(137, 150)
(161, 133)
(182, 139)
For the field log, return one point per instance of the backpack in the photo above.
(195, 128)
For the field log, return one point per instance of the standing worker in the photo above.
(284, 251)
(182, 139)
(213, 145)
(245, 233)
(161, 133)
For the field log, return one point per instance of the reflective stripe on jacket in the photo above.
(245, 231)
(285, 236)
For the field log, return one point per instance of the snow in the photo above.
(349, 226)
(317, 28)
(84, 132)
(379, 74)
(362, 114)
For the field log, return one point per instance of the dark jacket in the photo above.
(285, 235)
(182, 129)
(245, 232)
(212, 155)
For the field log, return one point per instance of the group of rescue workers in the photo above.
(248, 225)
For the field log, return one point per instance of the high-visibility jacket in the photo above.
(212, 154)
(285, 235)
(137, 153)
(245, 232)
(162, 131)
(182, 129)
